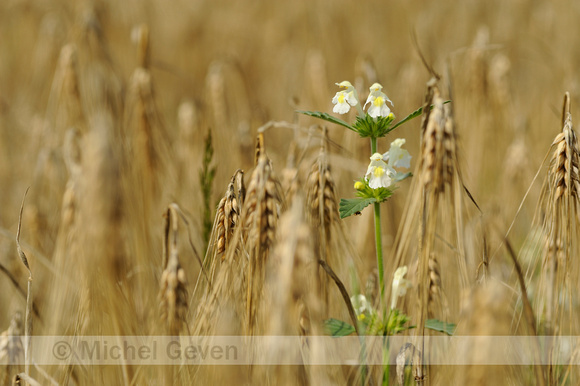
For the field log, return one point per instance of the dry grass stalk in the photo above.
(28, 320)
(173, 293)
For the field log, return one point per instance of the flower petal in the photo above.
(351, 99)
(341, 108)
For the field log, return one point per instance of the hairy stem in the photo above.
(378, 241)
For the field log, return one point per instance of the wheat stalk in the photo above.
(560, 203)
(322, 209)
(173, 293)
(433, 221)
(259, 217)
(256, 235)
(292, 300)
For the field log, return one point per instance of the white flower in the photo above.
(378, 99)
(400, 285)
(360, 304)
(397, 157)
(342, 102)
(378, 173)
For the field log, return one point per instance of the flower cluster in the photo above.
(381, 172)
(371, 321)
(344, 100)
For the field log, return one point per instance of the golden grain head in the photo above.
(438, 146)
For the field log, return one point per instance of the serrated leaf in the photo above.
(327, 117)
(335, 327)
(348, 207)
(438, 325)
(414, 114)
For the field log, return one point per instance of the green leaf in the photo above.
(350, 206)
(335, 327)
(438, 325)
(413, 115)
(396, 322)
(327, 117)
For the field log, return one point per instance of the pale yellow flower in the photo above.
(377, 99)
(378, 173)
(396, 156)
(344, 99)
(399, 286)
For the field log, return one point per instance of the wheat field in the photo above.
(158, 180)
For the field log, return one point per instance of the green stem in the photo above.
(378, 241)
(379, 245)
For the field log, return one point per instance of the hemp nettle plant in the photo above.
(379, 182)
(385, 170)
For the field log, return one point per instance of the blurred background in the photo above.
(232, 66)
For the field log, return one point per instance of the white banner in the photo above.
(289, 350)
